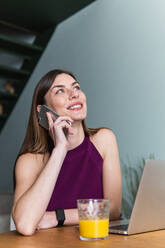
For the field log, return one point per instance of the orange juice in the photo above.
(94, 228)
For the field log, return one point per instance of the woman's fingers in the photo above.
(60, 122)
(65, 124)
(64, 118)
(50, 120)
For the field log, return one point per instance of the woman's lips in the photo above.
(76, 106)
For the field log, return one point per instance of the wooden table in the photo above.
(69, 237)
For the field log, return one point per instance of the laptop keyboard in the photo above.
(120, 227)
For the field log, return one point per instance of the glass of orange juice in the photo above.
(93, 219)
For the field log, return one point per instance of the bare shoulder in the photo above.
(29, 164)
(104, 139)
(104, 136)
(28, 167)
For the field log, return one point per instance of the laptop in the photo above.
(148, 213)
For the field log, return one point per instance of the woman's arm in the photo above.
(34, 189)
(106, 143)
(35, 181)
(112, 180)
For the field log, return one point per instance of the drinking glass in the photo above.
(93, 219)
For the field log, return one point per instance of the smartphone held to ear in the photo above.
(43, 120)
(42, 117)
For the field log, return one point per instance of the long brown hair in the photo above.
(37, 139)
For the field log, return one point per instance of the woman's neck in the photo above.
(78, 135)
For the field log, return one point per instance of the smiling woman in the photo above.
(66, 97)
(56, 167)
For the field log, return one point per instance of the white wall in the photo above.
(117, 49)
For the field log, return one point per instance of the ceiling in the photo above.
(39, 15)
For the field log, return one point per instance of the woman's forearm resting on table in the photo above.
(49, 219)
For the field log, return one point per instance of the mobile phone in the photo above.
(42, 117)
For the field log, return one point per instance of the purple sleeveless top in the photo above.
(80, 177)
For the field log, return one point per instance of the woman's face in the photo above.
(66, 97)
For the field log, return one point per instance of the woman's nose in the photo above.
(73, 93)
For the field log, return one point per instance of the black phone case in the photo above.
(42, 118)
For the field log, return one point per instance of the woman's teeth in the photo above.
(75, 107)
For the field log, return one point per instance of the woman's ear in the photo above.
(38, 108)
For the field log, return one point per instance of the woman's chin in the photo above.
(78, 117)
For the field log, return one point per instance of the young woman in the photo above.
(53, 171)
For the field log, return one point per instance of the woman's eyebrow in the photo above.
(63, 86)
(58, 86)
(75, 83)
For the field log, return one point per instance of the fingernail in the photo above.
(69, 122)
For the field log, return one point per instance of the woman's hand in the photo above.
(57, 127)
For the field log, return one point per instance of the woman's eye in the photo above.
(77, 87)
(59, 91)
